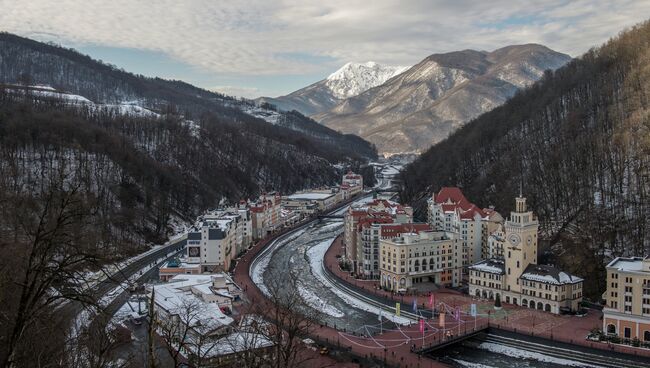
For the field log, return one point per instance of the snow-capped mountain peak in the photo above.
(354, 78)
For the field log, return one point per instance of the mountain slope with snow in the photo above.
(424, 104)
(348, 81)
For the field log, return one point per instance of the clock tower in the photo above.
(520, 248)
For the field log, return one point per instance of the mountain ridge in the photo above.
(403, 115)
(348, 81)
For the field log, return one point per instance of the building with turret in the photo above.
(516, 278)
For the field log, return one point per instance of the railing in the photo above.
(582, 342)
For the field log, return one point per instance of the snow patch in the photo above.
(354, 78)
(316, 254)
(519, 353)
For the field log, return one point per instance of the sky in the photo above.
(252, 48)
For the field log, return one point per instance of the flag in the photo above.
(473, 310)
(431, 300)
(415, 305)
(421, 325)
(379, 315)
(457, 313)
(441, 321)
(397, 309)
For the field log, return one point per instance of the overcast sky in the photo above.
(272, 47)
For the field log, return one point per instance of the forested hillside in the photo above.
(140, 173)
(30, 62)
(579, 142)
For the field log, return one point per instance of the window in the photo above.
(628, 332)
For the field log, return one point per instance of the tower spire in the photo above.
(521, 189)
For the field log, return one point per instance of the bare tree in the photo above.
(290, 321)
(48, 249)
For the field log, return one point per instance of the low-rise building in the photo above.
(177, 266)
(517, 278)
(627, 309)
(311, 201)
(192, 310)
(419, 257)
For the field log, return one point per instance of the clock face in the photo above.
(514, 239)
(529, 240)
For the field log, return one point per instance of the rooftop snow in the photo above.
(311, 196)
(634, 264)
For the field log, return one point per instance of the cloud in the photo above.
(259, 37)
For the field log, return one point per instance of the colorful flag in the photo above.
(432, 300)
(457, 313)
(473, 310)
(441, 321)
(415, 305)
(397, 309)
(421, 325)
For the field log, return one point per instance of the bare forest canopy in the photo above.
(579, 142)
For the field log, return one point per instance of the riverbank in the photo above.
(399, 356)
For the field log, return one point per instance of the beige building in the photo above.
(362, 241)
(413, 258)
(627, 309)
(517, 278)
(450, 211)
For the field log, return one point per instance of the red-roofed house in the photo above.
(450, 211)
(361, 235)
(353, 183)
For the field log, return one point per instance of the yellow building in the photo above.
(517, 278)
(627, 309)
(425, 256)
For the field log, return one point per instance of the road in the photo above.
(76, 309)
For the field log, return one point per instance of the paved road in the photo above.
(73, 308)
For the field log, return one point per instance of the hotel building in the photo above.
(517, 278)
(418, 257)
(627, 309)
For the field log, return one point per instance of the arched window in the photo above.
(646, 336)
(547, 307)
(611, 329)
(540, 306)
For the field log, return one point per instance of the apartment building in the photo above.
(266, 214)
(419, 257)
(627, 308)
(361, 242)
(213, 241)
(517, 278)
(450, 211)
